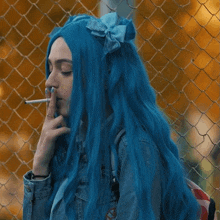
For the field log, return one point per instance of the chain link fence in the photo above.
(178, 41)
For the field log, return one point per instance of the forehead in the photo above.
(59, 50)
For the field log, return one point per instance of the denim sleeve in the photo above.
(36, 193)
(127, 207)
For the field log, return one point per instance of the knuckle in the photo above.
(49, 135)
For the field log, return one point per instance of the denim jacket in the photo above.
(37, 192)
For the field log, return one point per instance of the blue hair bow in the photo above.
(114, 33)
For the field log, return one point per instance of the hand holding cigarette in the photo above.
(50, 132)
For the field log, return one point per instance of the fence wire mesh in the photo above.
(178, 41)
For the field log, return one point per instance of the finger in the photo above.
(52, 104)
(47, 95)
(59, 121)
(63, 123)
(63, 130)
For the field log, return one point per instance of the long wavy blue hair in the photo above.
(121, 80)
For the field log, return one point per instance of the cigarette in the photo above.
(36, 101)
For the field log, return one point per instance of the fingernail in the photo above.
(46, 91)
(52, 90)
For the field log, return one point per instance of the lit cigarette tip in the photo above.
(36, 101)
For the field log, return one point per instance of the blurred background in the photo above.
(179, 43)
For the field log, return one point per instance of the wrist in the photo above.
(38, 177)
(39, 169)
(40, 166)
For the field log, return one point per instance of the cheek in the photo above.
(67, 88)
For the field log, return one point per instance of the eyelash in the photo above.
(66, 73)
(63, 73)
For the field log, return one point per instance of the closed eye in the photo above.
(67, 73)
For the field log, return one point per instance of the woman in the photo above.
(103, 127)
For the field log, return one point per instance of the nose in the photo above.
(51, 81)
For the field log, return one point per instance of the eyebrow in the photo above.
(61, 60)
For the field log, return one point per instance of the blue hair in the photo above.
(133, 102)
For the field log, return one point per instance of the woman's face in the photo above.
(61, 75)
